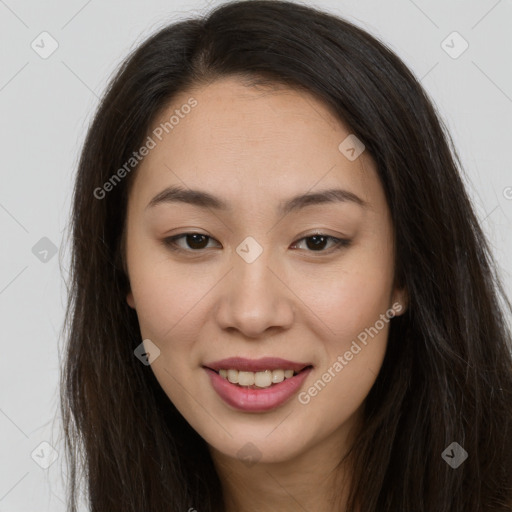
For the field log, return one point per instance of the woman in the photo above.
(281, 297)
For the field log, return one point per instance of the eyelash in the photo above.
(340, 243)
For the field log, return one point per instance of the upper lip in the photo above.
(256, 365)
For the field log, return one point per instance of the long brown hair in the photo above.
(447, 373)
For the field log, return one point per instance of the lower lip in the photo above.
(256, 400)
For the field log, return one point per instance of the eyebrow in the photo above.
(177, 194)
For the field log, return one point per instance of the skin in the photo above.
(254, 148)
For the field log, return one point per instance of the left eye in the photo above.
(198, 241)
(318, 242)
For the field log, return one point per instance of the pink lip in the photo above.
(256, 365)
(256, 400)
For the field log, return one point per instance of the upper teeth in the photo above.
(260, 379)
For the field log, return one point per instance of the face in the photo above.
(253, 274)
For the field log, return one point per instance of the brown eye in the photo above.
(318, 242)
(196, 242)
(193, 242)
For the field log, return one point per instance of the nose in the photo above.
(255, 298)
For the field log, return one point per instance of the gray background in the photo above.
(46, 105)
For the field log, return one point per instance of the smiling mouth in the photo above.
(257, 380)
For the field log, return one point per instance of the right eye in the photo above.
(195, 241)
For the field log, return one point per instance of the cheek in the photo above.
(349, 368)
(352, 297)
(166, 302)
(166, 293)
(355, 305)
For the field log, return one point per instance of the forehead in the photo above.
(252, 144)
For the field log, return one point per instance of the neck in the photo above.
(314, 479)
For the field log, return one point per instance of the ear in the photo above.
(129, 299)
(400, 301)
